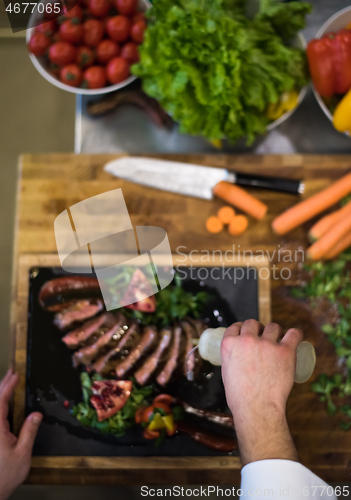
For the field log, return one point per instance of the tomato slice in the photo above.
(163, 407)
(147, 413)
(150, 434)
(139, 414)
(166, 399)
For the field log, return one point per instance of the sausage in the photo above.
(211, 440)
(53, 293)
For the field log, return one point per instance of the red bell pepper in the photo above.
(330, 63)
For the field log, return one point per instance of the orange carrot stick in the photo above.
(343, 244)
(241, 199)
(321, 247)
(214, 225)
(327, 222)
(226, 214)
(302, 212)
(238, 225)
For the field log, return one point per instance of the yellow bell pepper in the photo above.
(342, 114)
(169, 422)
(287, 102)
(157, 423)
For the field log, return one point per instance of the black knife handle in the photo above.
(273, 183)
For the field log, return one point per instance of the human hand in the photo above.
(15, 453)
(258, 375)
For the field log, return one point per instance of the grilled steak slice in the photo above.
(175, 357)
(81, 334)
(114, 330)
(150, 364)
(145, 344)
(108, 362)
(77, 312)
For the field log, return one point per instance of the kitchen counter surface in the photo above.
(129, 130)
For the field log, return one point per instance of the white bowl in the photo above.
(335, 23)
(41, 64)
(299, 42)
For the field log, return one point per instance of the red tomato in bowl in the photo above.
(99, 8)
(48, 28)
(62, 53)
(71, 31)
(71, 75)
(118, 28)
(95, 77)
(75, 13)
(107, 50)
(130, 52)
(127, 7)
(93, 32)
(137, 31)
(117, 70)
(39, 44)
(85, 57)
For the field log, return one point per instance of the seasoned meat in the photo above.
(145, 344)
(108, 362)
(60, 291)
(175, 357)
(154, 359)
(81, 310)
(81, 334)
(114, 331)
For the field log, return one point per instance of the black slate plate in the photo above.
(51, 379)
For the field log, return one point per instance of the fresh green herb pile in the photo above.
(215, 70)
(119, 423)
(331, 281)
(172, 303)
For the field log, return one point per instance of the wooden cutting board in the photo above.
(48, 184)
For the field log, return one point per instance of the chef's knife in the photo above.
(192, 180)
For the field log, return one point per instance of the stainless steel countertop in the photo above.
(128, 129)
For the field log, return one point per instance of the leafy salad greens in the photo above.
(214, 69)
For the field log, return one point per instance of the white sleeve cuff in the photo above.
(283, 480)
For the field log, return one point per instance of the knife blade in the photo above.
(192, 180)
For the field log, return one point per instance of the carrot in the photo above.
(343, 244)
(302, 212)
(226, 214)
(241, 199)
(214, 225)
(238, 225)
(328, 221)
(321, 247)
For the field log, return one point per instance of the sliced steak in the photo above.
(113, 331)
(190, 334)
(154, 359)
(79, 311)
(175, 357)
(120, 350)
(199, 325)
(81, 334)
(146, 343)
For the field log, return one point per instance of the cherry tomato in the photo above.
(99, 8)
(139, 16)
(150, 434)
(39, 44)
(75, 13)
(93, 32)
(139, 414)
(166, 399)
(85, 57)
(147, 413)
(71, 75)
(137, 31)
(62, 53)
(163, 407)
(48, 28)
(130, 52)
(117, 70)
(107, 50)
(71, 31)
(126, 7)
(95, 77)
(118, 28)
